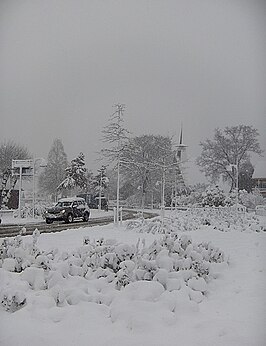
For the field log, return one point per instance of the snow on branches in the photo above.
(75, 174)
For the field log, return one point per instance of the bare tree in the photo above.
(9, 151)
(116, 136)
(229, 147)
(54, 173)
(144, 160)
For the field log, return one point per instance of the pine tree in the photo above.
(76, 174)
(100, 180)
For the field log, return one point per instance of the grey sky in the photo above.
(63, 64)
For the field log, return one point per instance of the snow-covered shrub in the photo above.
(16, 256)
(94, 271)
(27, 210)
(251, 199)
(220, 218)
(213, 197)
(12, 300)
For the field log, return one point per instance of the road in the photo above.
(13, 230)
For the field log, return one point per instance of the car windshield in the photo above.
(63, 204)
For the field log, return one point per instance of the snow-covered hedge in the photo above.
(96, 271)
(221, 218)
(27, 210)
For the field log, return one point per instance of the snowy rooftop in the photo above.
(260, 170)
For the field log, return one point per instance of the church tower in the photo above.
(180, 186)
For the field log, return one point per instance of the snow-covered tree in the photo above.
(76, 174)
(9, 151)
(101, 180)
(54, 173)
(231, 146)
(145, 159)
(115, 135)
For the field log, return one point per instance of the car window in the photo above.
(63, 204)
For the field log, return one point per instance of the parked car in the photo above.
(93, 201)
(68, 209)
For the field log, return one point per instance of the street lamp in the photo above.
(230, 169)
(33, 181)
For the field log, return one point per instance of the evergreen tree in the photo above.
(54, 173)
(76, 174)
(101, 181)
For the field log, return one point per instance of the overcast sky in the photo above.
(64, 64)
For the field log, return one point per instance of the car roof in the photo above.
(71, 199)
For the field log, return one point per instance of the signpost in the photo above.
(21, 168)
(25, 168)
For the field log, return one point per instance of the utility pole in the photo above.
(120, 110)
(100, 191)
(33, 189)
(19, 194)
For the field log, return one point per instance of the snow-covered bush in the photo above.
(27, 210)
(12, 300)
(15, 255)
(213, 197)
(221, 218)
(171, 261)
(251, 199)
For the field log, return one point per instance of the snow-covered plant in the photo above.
(251, 199)
(213, 197)
(11, 300)
(75, 174)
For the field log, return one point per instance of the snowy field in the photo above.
(202, 284)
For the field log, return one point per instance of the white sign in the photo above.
(26, 167)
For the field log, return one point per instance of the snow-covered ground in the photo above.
(228, 307)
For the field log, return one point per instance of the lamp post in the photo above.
(33, 182)
(117, 190)
(230, 168)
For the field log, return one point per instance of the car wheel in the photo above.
(86, 217)
(49, 221)
(69, 218)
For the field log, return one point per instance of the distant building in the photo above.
(13, 200)
(259, 177)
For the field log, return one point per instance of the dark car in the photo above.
(68, 209)
(94, 201)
